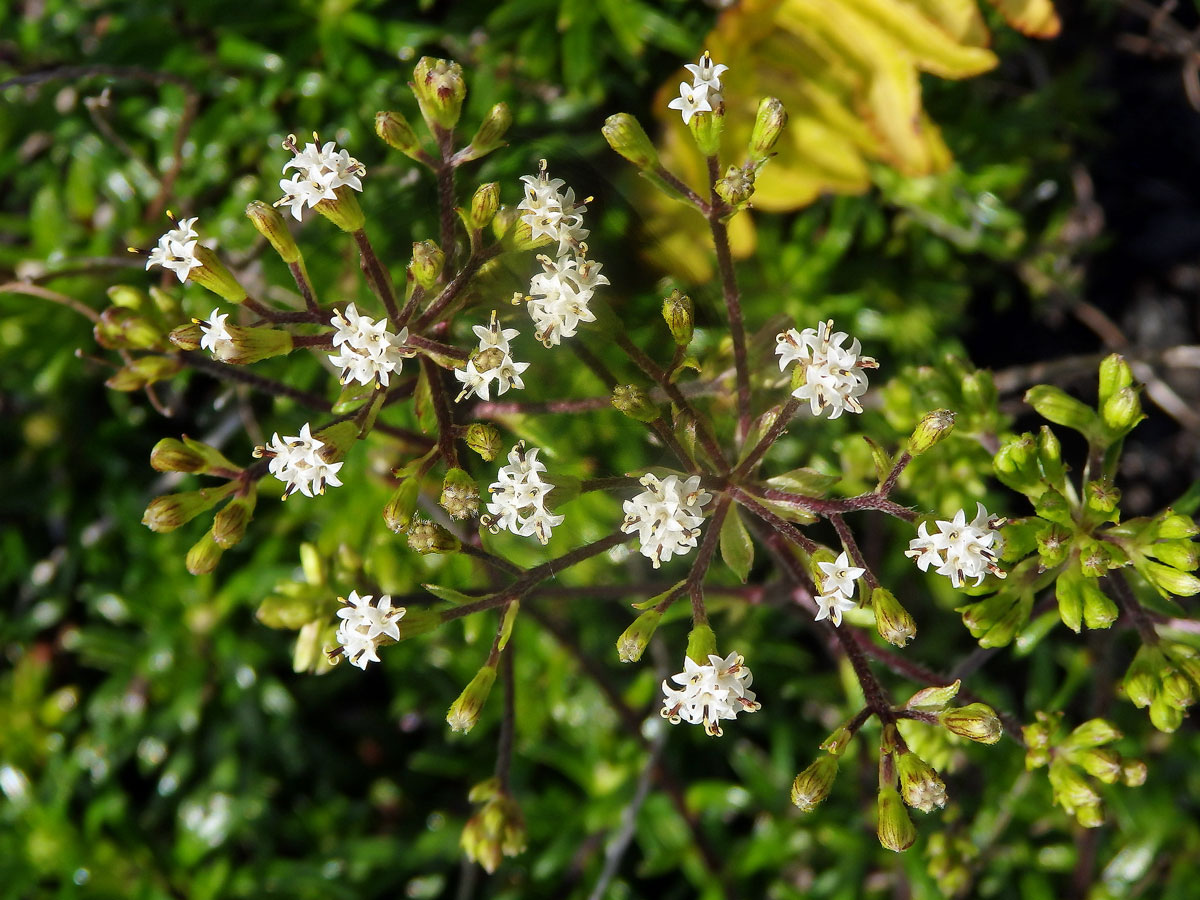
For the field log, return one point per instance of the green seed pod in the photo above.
(251, 345)
(398, 513)
(1122, 411)
(490, 135)
(229, 524)
(769, 123)
(204, 555)
(213, 275)
(460, 495)
(427, 537)
(120, 328)
(395, 131)
(895, 624)
(343, 210)
(737, 187)
(976, 722)
(188, 455)
(813, 785)
(1104, 765)
(920, 785)
(485, 440)
(484, 204)
(680, 315)
(271, 225)
(706, 128)
(625, 135)
(634, 639)
(463, 714)
(427, 263)
(1133, 773)
(168, 512)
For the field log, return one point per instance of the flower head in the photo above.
(519, 497)
(364, 625)
(296, 461)
(368, 352)
(320, 171)
(215, 336)
(960, 550)
(176, 250)
(666, 516)
(708, 73)
(831, 375)
(837, 588)
(709, 693)
(492, 362)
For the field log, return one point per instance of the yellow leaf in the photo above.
(932, 48)
(1035, 18)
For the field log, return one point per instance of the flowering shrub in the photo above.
(413, 380)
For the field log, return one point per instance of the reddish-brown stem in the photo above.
(451, 291)
(708, 546)
(1120, 589)
(378, 278)
(837, 507)
(677, 185)
(851, 545)
(508, 720)
(890, 482)
(304, 284)
(781, 525)
(733, 302)
(444, 171)
(441, 409)
(768, 439)
(242, 375)
(424, 343)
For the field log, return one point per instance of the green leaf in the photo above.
(736, 547)
(806, 481)
(506, 626)
(1062, 409)
(423, 401)
(450, 595)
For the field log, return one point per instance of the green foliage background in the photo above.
(154, 741)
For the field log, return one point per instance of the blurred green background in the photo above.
(154, 740)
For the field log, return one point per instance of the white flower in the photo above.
(519, 497)
(558, 300)
(691, 100)
(364, 625)
(709, 693)
(666, 516)
(176, 250)
(708, 73)
(492, 362)
(215, 336)
(839, 576)
(960, 550)
(551, 212)
(833, 375)
(320, 171)
(831, 606)
(296, 462)
(369, 352)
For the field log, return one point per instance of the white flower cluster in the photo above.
(710, 693)
(492, 362)
(666, 516)
(704, 93)
(961, 549)
(368, 353)
(297, 463)
(176, 250)
(559, 294)
(519, 497)
(837, 588)
(320, 171)
(364, 624)
(215, 336)
(833, 375)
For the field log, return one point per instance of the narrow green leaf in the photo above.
(736, 547)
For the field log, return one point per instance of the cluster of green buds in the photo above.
(138, 322)
(1073, 756)
(1076, 537)
(170, 511)
(1164, 676)
(497, 829)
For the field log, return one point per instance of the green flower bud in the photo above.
(204, 555)
(1169, 580)
(1049, 455)
(702, 643)
(1177, 689)
(1141, 678)
(1133, 773)
(1091, 816)
(427, 263)
(187, 337)
(737, 187)
(1122, 411)
(187, 455)
(168, 512)
(932, 429)
(633, 640)
(1092, 733)
(920, 785)
(127, 296)
(464, 712)
(837, 742)
(769, 123)
(119, 328)
(1114, 375)
(625, 135)
(813, 785)
(1102, 496)
(1104, 765)
(440, 90)
(634, 402)
(1054, 544)
(680, 316)
(144, 371)
(1164, 715)
(484, 204)
(896, 830)
(229, 524)
(271, 225)
(1170, 525)
(1060, 408)
(250, 345)
(484, 439)
(213, 275)
(490, 135)
(395, 131)
(343, 210)
(427, 537)
(495, 831)
(460, 495)
(1015, 464)
(1098, 610)
(994, 620)
(934, 698)
(1070, 789)
(976, 722)
(290, 608)
(398, 513)
(1180, 555)
(893, 621)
